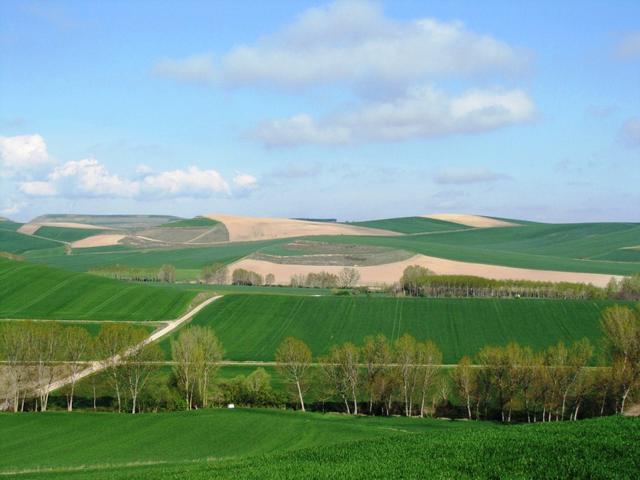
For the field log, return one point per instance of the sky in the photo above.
(350, 109)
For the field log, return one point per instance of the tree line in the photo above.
(419, 281)
(166, 273)
(378, 377)
(406, 376)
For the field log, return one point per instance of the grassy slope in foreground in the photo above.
(562, 247)
(100, 439)
(36, 291)
(599, 448)
(252, 326)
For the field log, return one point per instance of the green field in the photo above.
(67, 234)
(182, 258)
(561, 247)
(14, 242)
(191, 222)
(283, 444)
(37, 291)
(251, 327)
(411, 225)
(595, 247)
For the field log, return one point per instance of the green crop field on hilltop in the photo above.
(14, 242)
(68, 234)
(265, 444)
(181, 258)
(191, 222)
(37, 291)
(252, 326)
(411, 225)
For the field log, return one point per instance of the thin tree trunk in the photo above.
(300, 396)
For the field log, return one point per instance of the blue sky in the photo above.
(308, 109)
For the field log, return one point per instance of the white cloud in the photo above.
(143, 169)
(23, 153)
(89, 178)
(38, 189)
(631, 131)
(192, 182)
(629, 47)
(11, 207)
(353, 42)
(462, 176)
(197, 69)
(245, 181)
(422, 113)
(301, 129)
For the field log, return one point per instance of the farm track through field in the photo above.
(100, 365)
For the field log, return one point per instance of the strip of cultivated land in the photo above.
(40, 292)
(252, 326)
(268, 444)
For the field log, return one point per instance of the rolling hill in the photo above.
(37, 291)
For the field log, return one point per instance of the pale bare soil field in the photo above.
(263, 228)
(476, 221)
(31, 228)
(391, 272)
(102, 240)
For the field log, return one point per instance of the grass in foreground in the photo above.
(36, 291)
(69, 440)
(271, 444)
(252, 326)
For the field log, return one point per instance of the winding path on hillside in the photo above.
(99, 365)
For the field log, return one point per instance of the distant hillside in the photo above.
(124, 222)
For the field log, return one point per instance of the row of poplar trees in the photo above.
(408, 375)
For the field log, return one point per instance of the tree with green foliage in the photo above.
(78, 347)
(241, 276)
(293, 359)
(346, 359)
(428, 360)
(138, 366)
(621, 328)
(112, 344)
(406, 369)
(464, 378)
(377, 356)
(167, 273)
(197, 353)
(218, 273)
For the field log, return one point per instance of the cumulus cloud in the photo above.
(192, 182)
(196, 69)
(354, 42)
(629, 47)
(23, 153)
(245, 181)
(89, 178)
(631, 131)
(462, 176)
(422, 113)
(81, 178)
